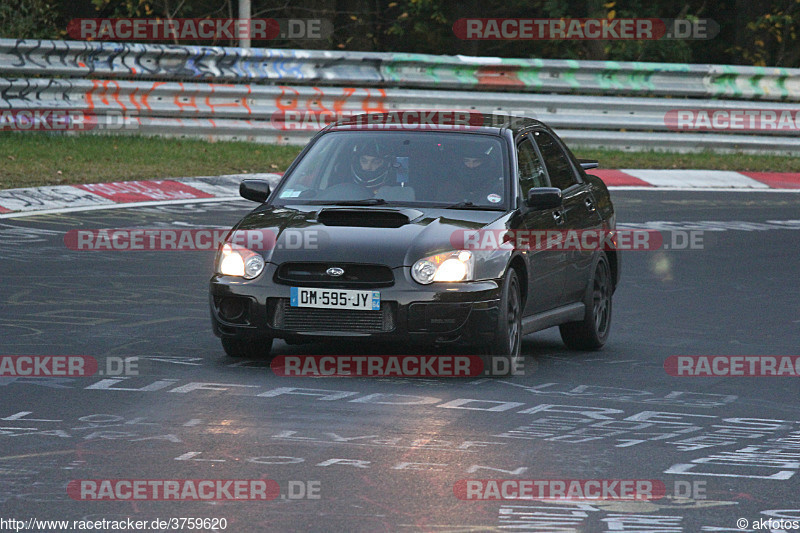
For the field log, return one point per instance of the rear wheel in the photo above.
(591, 333)
(249, 348)
(504, 353)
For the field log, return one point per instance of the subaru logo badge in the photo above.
(335, 271)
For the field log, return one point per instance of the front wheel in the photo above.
(249, 348)
(591, 333)
(504, 353)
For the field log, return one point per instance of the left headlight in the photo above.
(447, 267)
(239, 261)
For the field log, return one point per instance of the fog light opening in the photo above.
(231, 309)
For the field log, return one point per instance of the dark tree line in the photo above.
(751, 32)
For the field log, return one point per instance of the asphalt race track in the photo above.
(385, 454)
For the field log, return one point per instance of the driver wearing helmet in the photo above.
(370, 165)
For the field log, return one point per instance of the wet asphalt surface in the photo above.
(385, 454)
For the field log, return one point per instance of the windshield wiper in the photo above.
(365, 201)
(470, 205)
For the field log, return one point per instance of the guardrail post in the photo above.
(244, 14)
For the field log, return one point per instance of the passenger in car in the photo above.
(477, 176)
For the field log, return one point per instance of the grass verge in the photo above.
(702, 160)
(33, 159)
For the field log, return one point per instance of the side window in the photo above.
(558, 166)
(531, 171)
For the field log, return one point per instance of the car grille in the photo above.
(311, 319)
(355, 275)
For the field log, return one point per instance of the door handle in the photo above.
(558, 216)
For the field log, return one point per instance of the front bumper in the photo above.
(437, 313)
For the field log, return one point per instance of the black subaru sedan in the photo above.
(398, 232)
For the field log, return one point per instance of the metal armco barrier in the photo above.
(221, 93)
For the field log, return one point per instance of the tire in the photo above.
(250, 348)
(591, 333)
(507, 344)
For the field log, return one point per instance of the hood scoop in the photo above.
(367, 217)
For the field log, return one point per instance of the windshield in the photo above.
(448, 169)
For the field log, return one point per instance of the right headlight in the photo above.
(446, 267)
(239, 261)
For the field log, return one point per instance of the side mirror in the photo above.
(587, 164)
(255, 190)
(543, 198)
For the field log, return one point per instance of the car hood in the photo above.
(393, 236)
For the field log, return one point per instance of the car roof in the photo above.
(438, 120)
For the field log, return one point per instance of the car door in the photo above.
(545, 267)
(579, 214)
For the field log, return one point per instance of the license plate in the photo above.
(335, 298)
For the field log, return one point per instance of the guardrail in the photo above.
(166, 89)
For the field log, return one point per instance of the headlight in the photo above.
(239, 261)
(448, 267)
